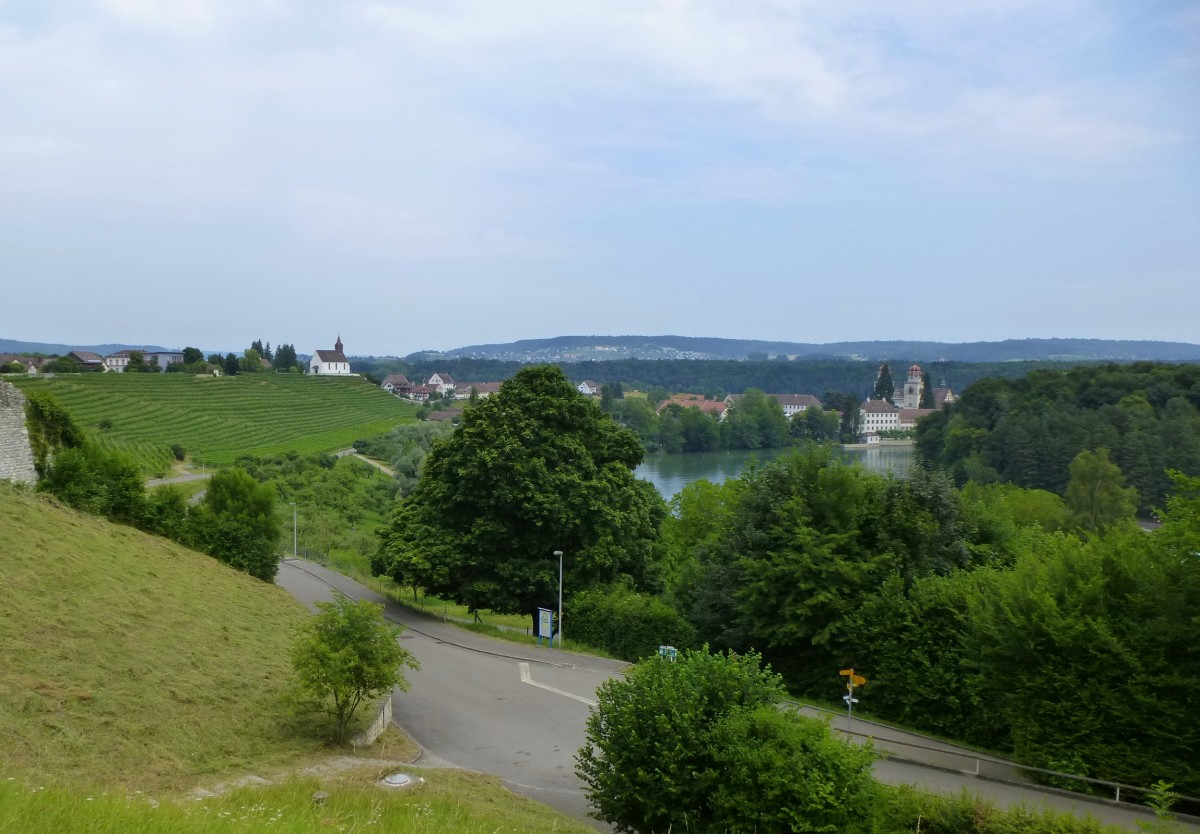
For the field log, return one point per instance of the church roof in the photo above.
(331, 356)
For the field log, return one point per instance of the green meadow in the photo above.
(135, 672)
(215, 419)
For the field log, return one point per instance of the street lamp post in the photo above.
(559, 554)
(295, 538)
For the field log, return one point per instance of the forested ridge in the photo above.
(802, 376)
(1027, 431)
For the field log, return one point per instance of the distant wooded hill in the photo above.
(49, 349)
(581, 348)
(713, 377)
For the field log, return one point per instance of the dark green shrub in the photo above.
(786, 772)
(650, 760)
(627, 624)
(178, 451)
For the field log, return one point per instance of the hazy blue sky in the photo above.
(436, 173)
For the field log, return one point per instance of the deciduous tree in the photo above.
(238, 524)
(348, 654)
(1096, 494)
(532, 469)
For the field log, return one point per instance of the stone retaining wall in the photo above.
(16, 455)
(368, 736)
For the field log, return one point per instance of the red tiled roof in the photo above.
(331, 356)
(695, 401)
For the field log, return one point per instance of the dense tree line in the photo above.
(713, 377)
(1028, 431)
(973, 614)
(1009, 618)
(235, 522)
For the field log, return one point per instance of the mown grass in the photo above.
(447, 802)
(217, 419)
(134, 671)
(126, 659)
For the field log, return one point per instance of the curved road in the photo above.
(519, 712)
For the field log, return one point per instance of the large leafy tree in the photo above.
(1096, 494)
(238, 524)
(532, 469)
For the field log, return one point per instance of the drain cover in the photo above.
(397, 780)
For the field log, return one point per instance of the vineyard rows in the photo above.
(218, 418)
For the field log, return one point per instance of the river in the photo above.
(672, 472)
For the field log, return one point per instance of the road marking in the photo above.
(527, 678)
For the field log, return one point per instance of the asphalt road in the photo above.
(519, 713)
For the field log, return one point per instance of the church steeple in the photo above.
(338, 344)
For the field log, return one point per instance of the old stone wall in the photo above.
(16, 456)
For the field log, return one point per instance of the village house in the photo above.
(29, 364)
(794, 404)
(163, 358)
(877, 416)
(910, 416)
(442, 382)
(717, 408)
(89, 360)
(330, 362)
(588, 388)
(394, 381)
(482, 390)
(117, 362)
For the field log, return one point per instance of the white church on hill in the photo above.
(330, 362)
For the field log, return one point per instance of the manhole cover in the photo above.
(397, 780)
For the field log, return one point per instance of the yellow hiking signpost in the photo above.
(853, 681)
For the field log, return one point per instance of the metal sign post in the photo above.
(852, 681)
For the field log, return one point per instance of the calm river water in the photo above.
(671, 473)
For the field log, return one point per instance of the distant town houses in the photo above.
(439, 383)
(330, 362)
(29, 364)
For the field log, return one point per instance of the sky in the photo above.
(428, 174)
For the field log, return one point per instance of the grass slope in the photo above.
(218, 418)
(128, 660)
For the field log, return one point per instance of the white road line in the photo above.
(527, 678)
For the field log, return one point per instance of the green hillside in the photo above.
(126, 659)
(218, 418)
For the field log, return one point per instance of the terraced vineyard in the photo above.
(218, 418)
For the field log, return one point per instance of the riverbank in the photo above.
(884, 441)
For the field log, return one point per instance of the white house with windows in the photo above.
(588, 388)
(117, 362)
(794, 404)
(442, 382)
(330, 362)
(877, 416)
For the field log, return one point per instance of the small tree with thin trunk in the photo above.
(347, 654)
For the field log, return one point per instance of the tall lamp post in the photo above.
(559, 554)
(295, 538)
